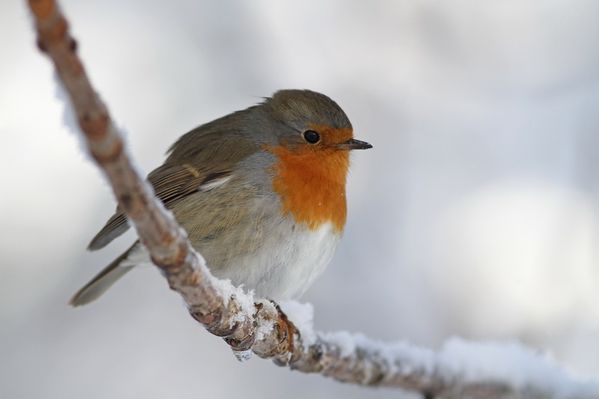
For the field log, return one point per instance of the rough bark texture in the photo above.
(261, 327)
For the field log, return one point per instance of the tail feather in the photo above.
(115, 226)
(101, 282)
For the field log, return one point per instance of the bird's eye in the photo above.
(311, 136)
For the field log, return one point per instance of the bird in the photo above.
(261, 193)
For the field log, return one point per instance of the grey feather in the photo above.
(101, 282)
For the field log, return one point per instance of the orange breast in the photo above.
(311, 184)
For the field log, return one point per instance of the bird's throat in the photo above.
(311, 185)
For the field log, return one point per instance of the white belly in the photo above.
(285, 268)
(282, 268)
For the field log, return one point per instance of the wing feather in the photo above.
(194, 161)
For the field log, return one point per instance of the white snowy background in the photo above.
(475, 215)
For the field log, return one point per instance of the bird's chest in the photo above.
(311, 186)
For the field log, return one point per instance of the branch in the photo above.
(261, 327)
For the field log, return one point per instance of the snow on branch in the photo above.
(458, 370)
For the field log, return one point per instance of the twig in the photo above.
(227, 312)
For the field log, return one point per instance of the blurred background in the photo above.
(475, 215)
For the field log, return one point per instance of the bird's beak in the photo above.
(353, 144)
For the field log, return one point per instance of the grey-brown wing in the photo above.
(188, 168)
(171, 183)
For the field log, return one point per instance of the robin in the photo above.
(260, 192)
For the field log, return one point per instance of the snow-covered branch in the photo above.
(458, 370)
